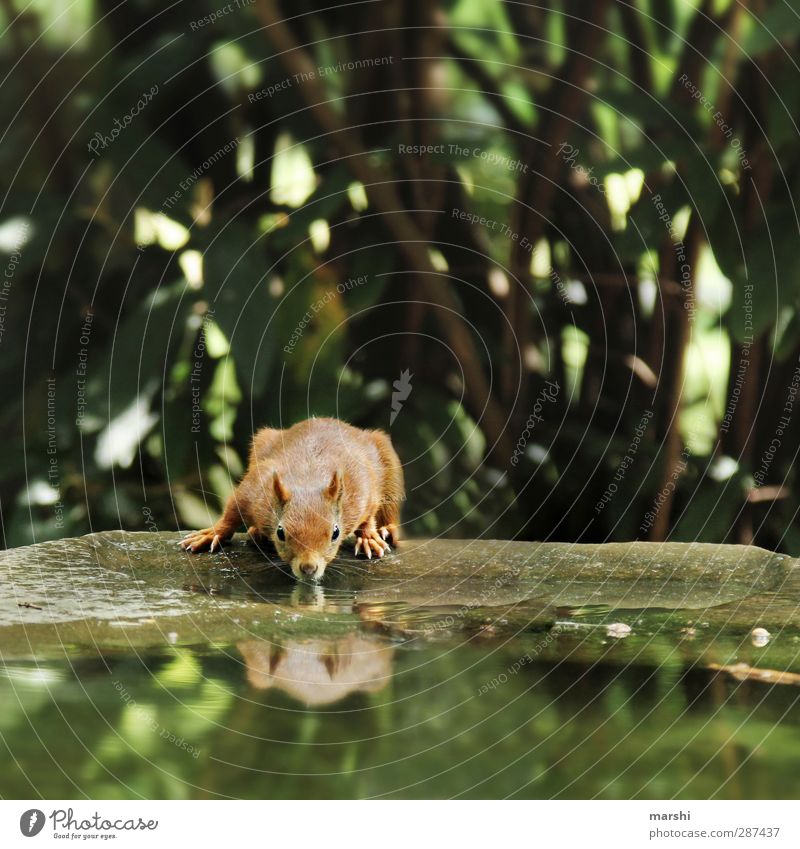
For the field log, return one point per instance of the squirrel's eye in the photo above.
(335, 534)
(280, 533)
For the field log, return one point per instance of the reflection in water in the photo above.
(192, 723)
(319, 672)
(350, 697)
(310, 596)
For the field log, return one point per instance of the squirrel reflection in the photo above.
(319, 672)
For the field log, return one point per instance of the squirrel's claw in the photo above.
(206, 539)
(389, 533)
(370, 543)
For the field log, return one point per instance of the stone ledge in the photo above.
(138, 589)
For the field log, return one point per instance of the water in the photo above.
(212, 678)
(364, 716)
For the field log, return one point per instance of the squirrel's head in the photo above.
(308, 531)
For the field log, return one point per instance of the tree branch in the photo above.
(559, 112)
(474, 70)
(383, 196)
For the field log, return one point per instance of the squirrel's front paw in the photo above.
(206, 540)
(370, 543)
(389, 533)
(256, 537)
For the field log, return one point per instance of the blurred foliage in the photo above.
(181, 217)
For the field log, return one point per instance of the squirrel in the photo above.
(310, 487)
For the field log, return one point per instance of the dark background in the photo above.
(183, 203)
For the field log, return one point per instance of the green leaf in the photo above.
(762, 266)
(140, 355)
(235, 270)
(779, 24)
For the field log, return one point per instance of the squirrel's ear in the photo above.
(335, 488)
(281, 493)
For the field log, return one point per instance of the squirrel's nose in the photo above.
(308, 569)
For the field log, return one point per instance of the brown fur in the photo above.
(317, 474)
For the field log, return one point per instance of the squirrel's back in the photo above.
(310, 451)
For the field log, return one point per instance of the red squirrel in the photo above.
(308, 488)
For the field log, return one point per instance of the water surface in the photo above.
(218, 678)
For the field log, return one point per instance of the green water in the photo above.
(376, 718)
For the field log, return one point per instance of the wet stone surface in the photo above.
(640, 603)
